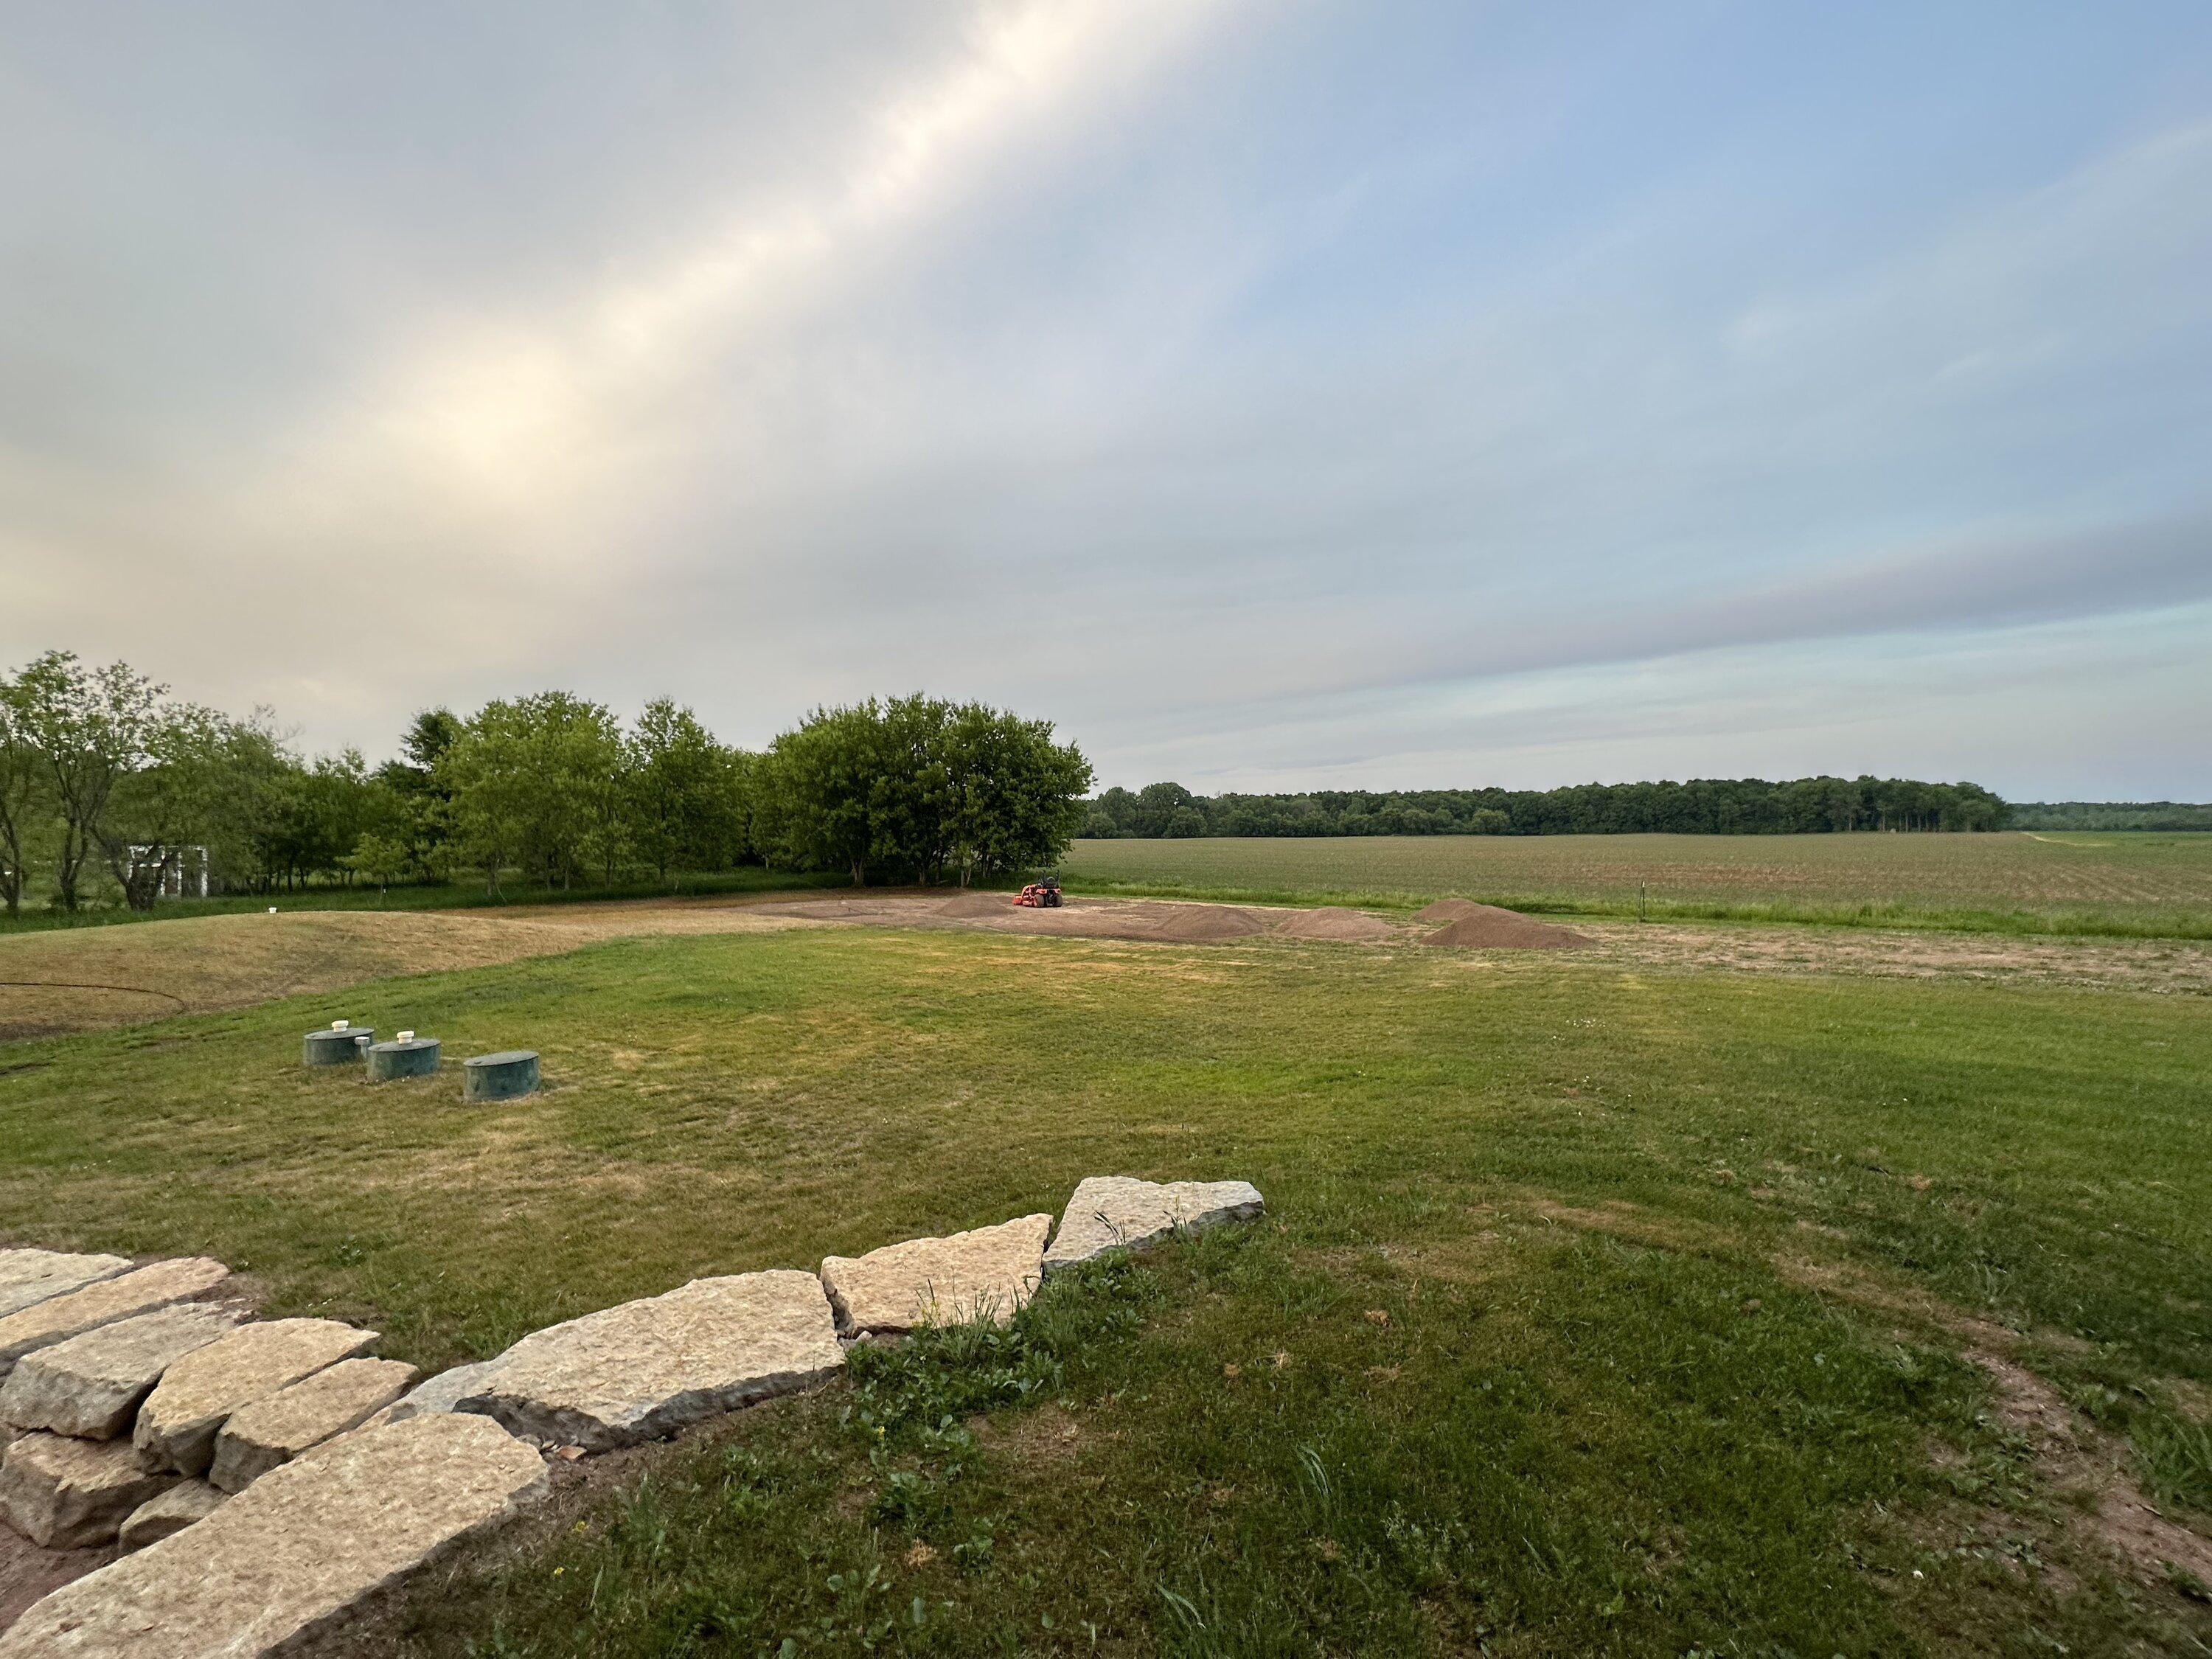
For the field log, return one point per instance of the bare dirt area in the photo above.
(1157, 920)
(90, 978)
(28, 1572)
(2162, 965)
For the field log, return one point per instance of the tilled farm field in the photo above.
(2147, 885)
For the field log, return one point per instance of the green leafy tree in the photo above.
(383, 860)
(91, 728)
(422, 801)
(173, 799)
(533, 783)
(21, 775)
(685, 798)
(1120, 807)
(1018, 799)
(1157, 805)
(822, 788)
(919, 787)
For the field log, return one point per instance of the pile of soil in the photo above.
(1206, 924)
(1486, 928)
(977, 904)
(1334, 921)
(1452, 909)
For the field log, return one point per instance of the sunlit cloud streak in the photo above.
(1420, 394)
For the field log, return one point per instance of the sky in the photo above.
(1273, 395)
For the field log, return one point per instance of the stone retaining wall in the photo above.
(270, 1475)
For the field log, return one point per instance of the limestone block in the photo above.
(292, 1554)
(177, 1424)
(172, 1512)
(32, 1276)
(66, 1494)
(984, 1274)
(1113, 1212)
(58, 1318)
(441, 1392)
(91, 1385)
(278, 1427)
(647, 1368)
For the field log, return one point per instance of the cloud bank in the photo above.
(1401, 395)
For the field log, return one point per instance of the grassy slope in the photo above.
(36, 917)
(1554, 1437)
(2138, 885)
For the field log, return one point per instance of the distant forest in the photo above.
(1702, 806)
(2110, 815)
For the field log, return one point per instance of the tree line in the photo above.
(1702, 806)
(112, 789)
(2111, 815)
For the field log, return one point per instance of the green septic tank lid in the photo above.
(505, 1057)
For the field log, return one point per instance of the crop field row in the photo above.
(2148, 884)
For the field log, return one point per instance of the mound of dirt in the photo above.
(977, 904)
(1206, 924)
(1449, 909)
(1332, 922)
(1486, 928)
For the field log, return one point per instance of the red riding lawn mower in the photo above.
(1040, 895)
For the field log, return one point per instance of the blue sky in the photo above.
(1273, 395)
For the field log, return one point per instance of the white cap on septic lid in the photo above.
(340, 1024)
(407, 1037)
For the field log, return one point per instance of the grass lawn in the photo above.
(2144, 885)
(1597, 1310)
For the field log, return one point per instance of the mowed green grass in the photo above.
(1523, 1359)
(2151, 885)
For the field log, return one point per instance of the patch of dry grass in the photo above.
(86, 979)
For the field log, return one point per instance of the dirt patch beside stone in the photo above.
(28, 1572)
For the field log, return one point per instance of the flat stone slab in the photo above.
(177, 1424)
(984, 1274)
(441, 1392)
(142, 1291)
(1110, 1212)
(172, 1512)
(66, 1494)
(91, 1385)
(646, 1369)
(278, 1427)
(28, 1276)
(291, 1554)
